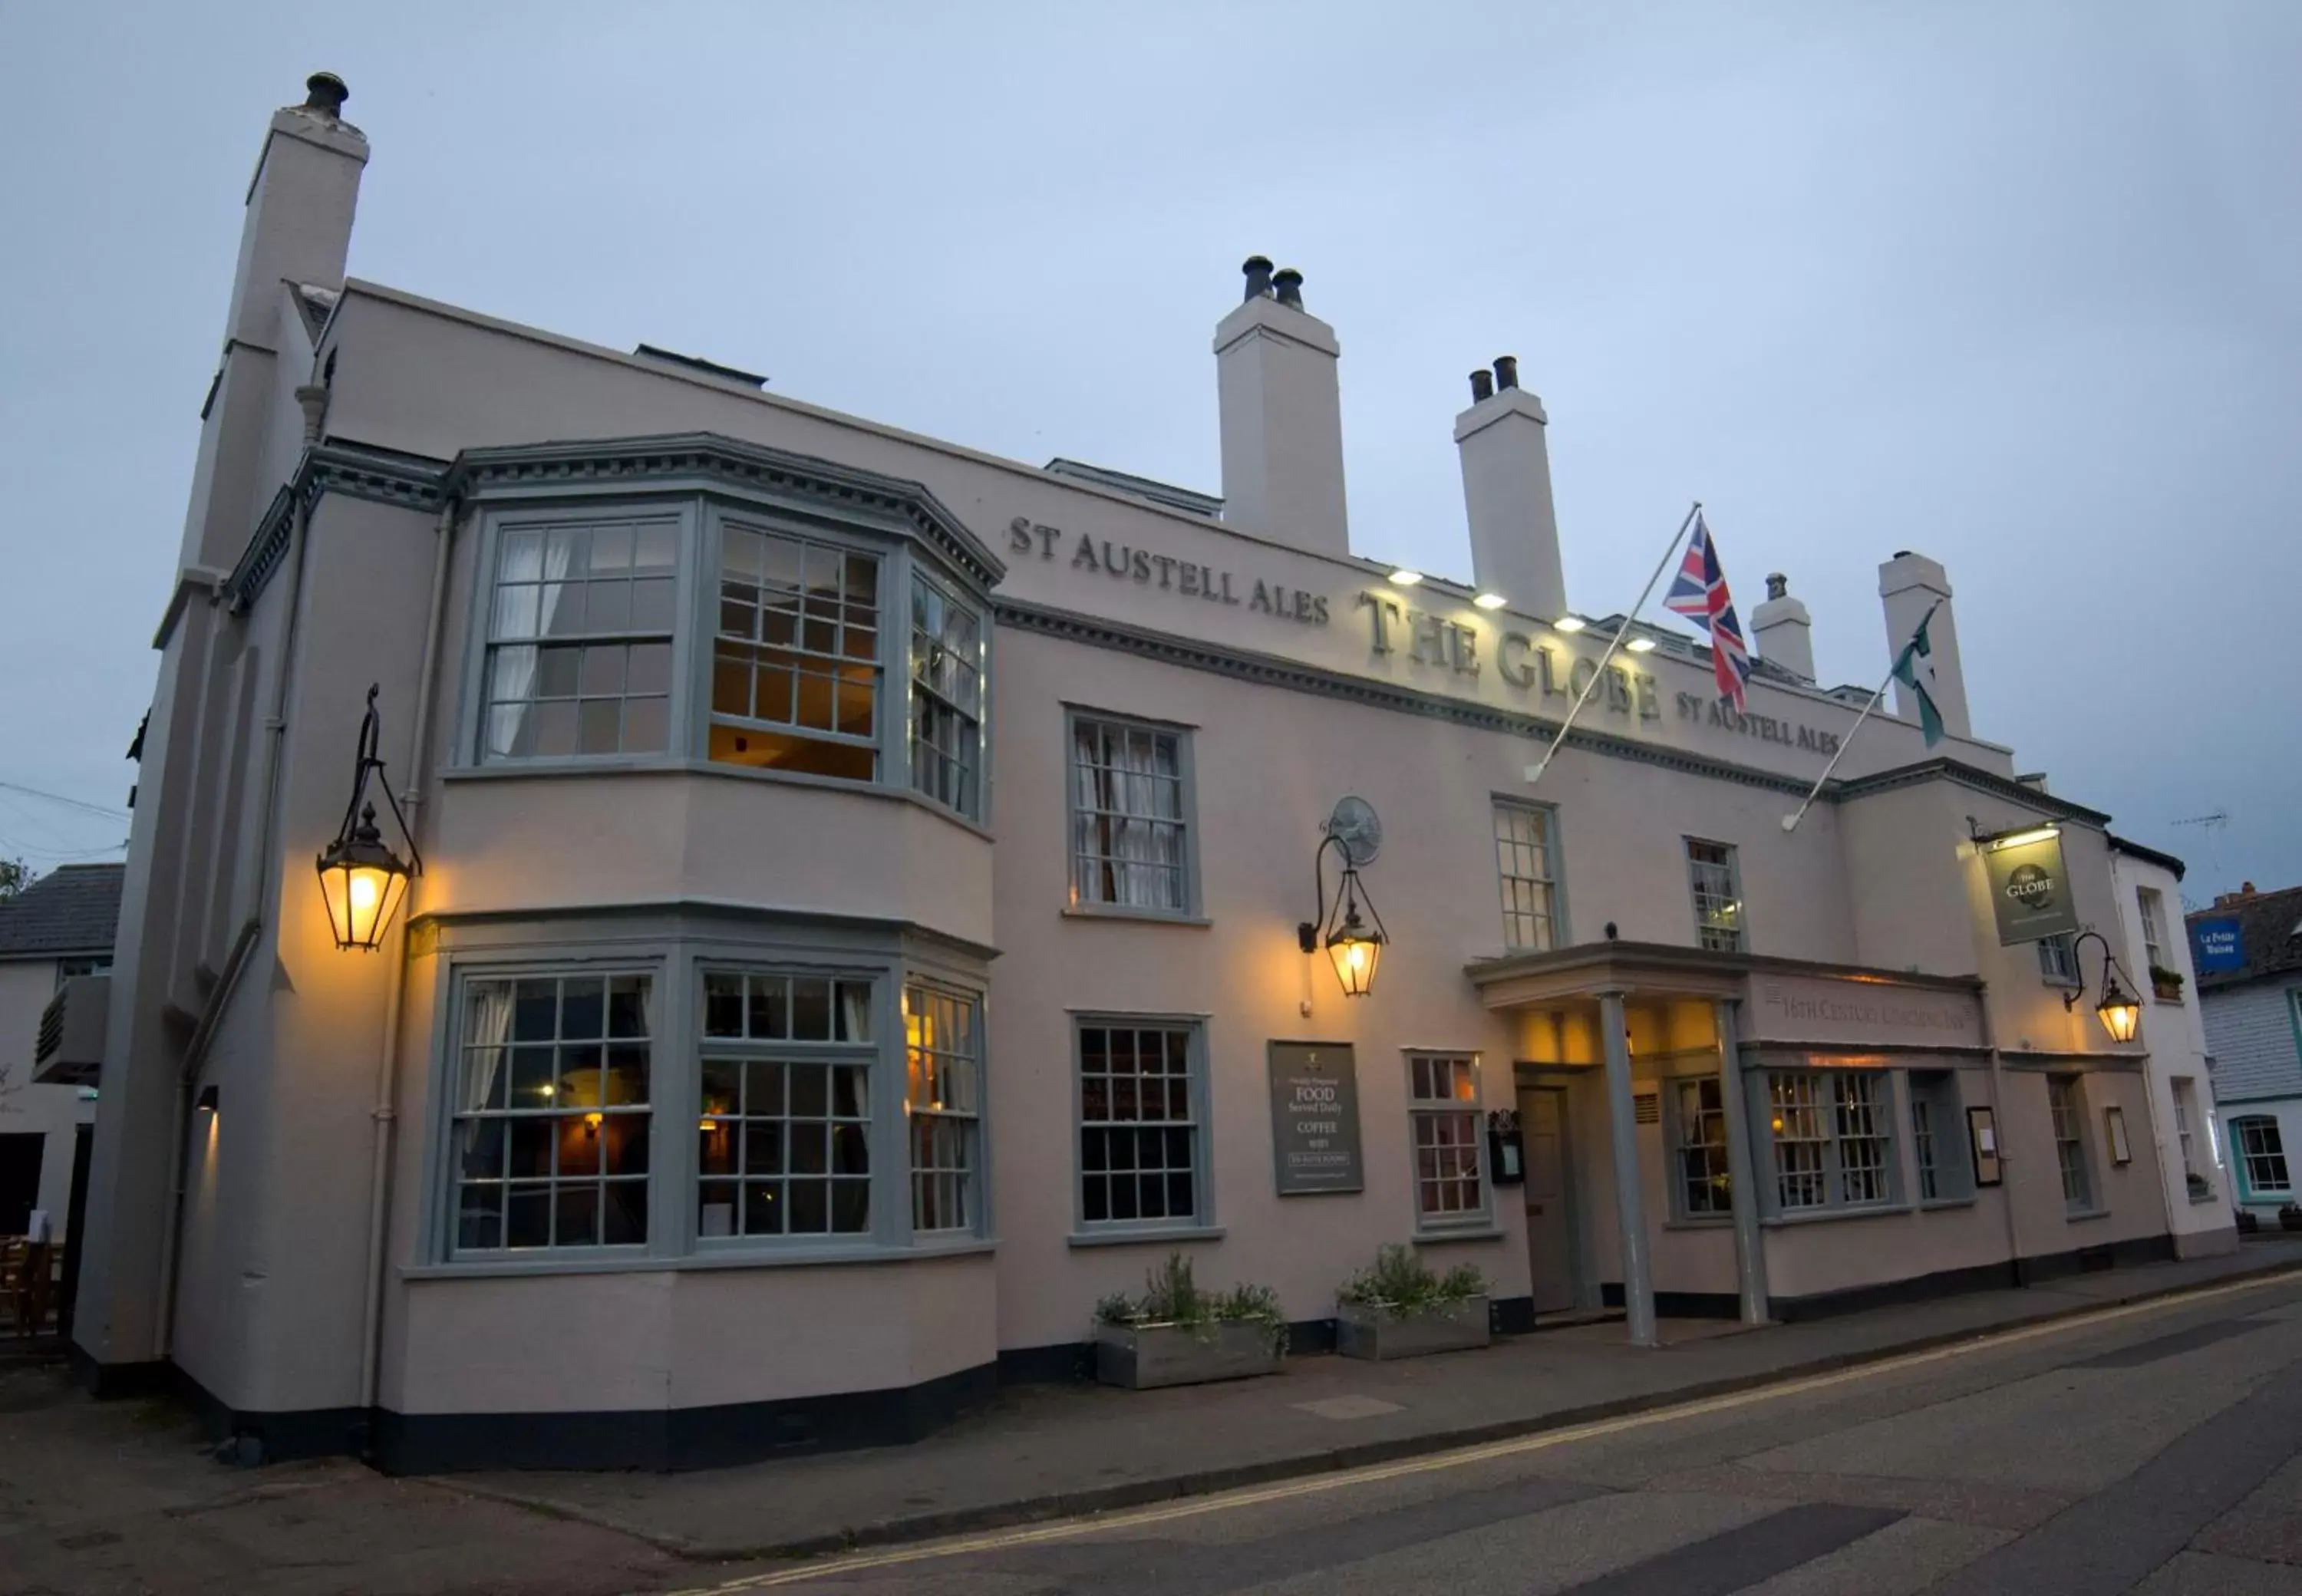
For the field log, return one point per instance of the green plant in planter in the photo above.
(2165, 982)
(1171, 1296)
(1400, 1282)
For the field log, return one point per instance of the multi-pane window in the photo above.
(2058, 958)
(946, 697)
(579, 639)
(1523, 860)
(551, 1117)
(2261, 1156)
(942, 1069)
(1718, 895)
(1834, 1147)
(1139, 1154)
(1704, 1185)
(68, 969)
(1862, 1136)
(783, 1144)
(1937, 1137)
(1129, 830)
(1443, 1106)
(2185, 1108)
(2154, 918)
(795, 664)
(1802, 1140)
(2069, 1113)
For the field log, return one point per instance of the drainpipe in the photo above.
(387, 1074)
(243, 947)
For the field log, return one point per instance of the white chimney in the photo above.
(1909, 587)
(1283, 416)
(1506, 494)
(1783, 630)
(298, 227)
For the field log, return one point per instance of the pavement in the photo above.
(1040, 1452)
(101, 1497)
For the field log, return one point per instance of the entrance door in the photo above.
(1550, 1209)
(19, 1180)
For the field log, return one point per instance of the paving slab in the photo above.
(1046, 1451)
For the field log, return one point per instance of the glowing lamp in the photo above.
(362, 879)
(1353, 945)
(1356, 954)
(2120, 1013)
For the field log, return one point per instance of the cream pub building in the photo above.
(858, 921)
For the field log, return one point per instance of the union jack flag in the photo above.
(1700, 593)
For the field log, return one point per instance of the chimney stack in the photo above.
(1280, 400)
(1910, 585)
(1782, 631)
(1506, 494)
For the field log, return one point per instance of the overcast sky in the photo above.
(2014, 285)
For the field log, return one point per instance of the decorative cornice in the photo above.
(263, 554)
(748, 469)
(409, 482)
(1967, 775)
(1270, 671)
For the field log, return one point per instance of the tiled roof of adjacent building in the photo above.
(74, 909)
(2270, 935)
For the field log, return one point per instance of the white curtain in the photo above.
(487, 1006)
(523, 611)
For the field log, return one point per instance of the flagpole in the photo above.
(1534, 771)
(1790, 822)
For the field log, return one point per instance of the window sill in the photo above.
(1486, 1232)
(2061, 985)
(1149, 917)
(662, 765)
(2171, 1003)
(633, 1262)
(2081, 1215)
(1708, 1222)
(2209, 1198)
(1818, 1216)
(1932, 1203)
(1163, 1234)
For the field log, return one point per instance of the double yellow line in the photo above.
(1462, 1457)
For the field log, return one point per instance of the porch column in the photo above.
(1741, 1172)
(1638, 1275)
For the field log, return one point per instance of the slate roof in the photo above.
(74, 909)
(2270, 929)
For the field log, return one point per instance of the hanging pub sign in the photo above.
(1315, 1119)
(2029, 889)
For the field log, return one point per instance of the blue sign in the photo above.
(2216, 945)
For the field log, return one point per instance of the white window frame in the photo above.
(1712, 927)
(2246, 1150)
(1199, 1130)
(2152, 910)
(1513, 850)
(1448, 1128)
(1079, 716)
(2058, 960)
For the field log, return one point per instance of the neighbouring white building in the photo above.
(2248, 948)
(57, 930)
(859, 918)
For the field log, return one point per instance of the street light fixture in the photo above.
(362, 879)
(1355, 948)
(2121, 1015)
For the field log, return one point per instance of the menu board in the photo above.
(1315, 1119)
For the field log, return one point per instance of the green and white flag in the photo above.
(1915, 669)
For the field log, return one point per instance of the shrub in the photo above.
(1171, 1296)
(1400, 1282)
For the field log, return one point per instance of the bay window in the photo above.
(784, 1140)
(796, 661)
(580, 622)
(1832, 1137)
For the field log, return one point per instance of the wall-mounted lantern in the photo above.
(361, 878)
(1355, 947)
(2121, 1015)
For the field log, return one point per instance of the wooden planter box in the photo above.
(1366, 1332)
(2290, 1221)
(2166, 991)
(1140, 1358)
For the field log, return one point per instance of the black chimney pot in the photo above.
(1288, 283)
(1483, 386)
(325, 92)
(1258, 276)
(1506, 371)
(1778, 587)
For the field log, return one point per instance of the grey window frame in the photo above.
(1188, 798)
(1428, 1225)
(1553, 857)
(590, 514)
(2058, 960)
(1203, 1222)
(1704, 928)
(1831, 1170)
(1682, 1206)
(1938, 1121)
(2243, 1156)
(703, 516)
(967, 1120)
(2150, 912)
(2079, 1159)
(970, 760)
